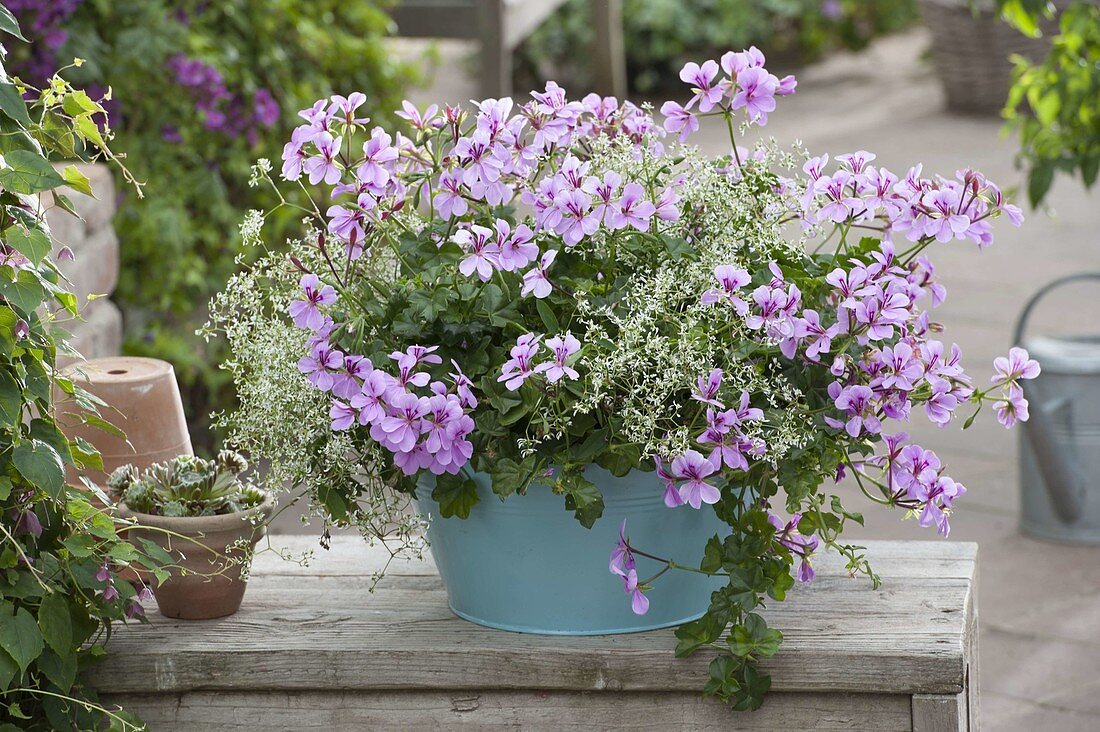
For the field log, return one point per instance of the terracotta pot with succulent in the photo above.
(206, 518)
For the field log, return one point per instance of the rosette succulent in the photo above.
(187, 486)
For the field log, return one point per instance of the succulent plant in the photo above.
(187, 486)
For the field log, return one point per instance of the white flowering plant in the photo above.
(525, 290)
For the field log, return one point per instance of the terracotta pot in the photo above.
(143, 401)
(191, 595)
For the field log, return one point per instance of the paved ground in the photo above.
(1039, 602)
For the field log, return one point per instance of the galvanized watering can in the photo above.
(1060, 442)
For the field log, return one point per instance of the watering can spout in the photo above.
(1063, 482)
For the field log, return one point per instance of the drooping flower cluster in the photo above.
(1010, 371)
(424, 430)
(912, 207)
(803, 547)
(624, 565)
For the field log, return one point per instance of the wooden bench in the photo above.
(312, 650)
(501, 25)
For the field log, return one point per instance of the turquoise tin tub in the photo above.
(526, 565)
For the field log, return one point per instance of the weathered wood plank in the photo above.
(325, 631)
(934, 713)
(350, 556)
(502, 710)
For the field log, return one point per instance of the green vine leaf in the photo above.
(29, 173)
(31, 243)
(12, 104)
(9, 25)
(56, 624)
(24, 291)
(11, 399)
(59, 668)
(19, 635)
(40, 465)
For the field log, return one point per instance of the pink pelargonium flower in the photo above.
(520, 366)
(731, 279)
(322, 166)
(1018, 364)
(693, 469)
(672, 496)
(306, 313)
(639, 603)
(679, 120)
(734, 62)
(403, 425)
(562, 348)
(667, 210)
(801, 546)
(343, 415)
(1013, 408)
(515, 247)
(482, 250)
(450, 202)
(701, 79)
(379, 155)
(706, 388)
(535, 280)
(633, 209)
(859, 403)
(370, 402)
(420, 121)
(577, 220)
(756, 94)
(623, 564)
(321, 365)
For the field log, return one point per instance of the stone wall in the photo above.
(95, 269)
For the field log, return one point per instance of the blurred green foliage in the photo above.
(663, 34)
(1054, 105)
(179, 242)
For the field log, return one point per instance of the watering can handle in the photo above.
(1025, 315)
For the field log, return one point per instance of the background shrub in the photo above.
(662, 34)
(207, 87)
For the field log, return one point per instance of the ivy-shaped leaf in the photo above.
(583, 498)
(455, 495)
(698, 633)
(510, 477)
(754, 638)
(75, 177)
